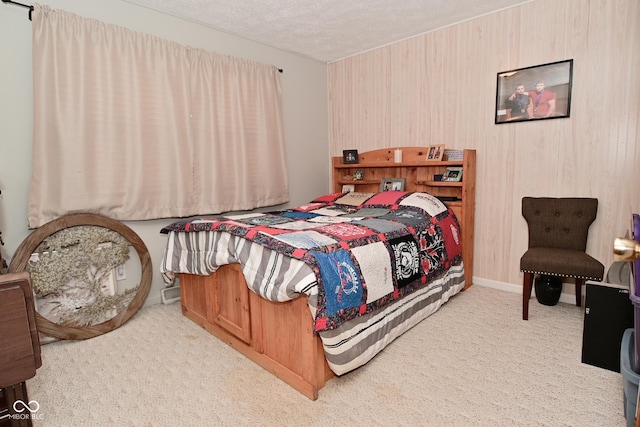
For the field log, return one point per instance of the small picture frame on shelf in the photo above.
(435, 152)
(348, 188)
(350, 157)
(392, 184)
(358, 175)
(452, 174)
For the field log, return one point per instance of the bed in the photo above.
(318, 290)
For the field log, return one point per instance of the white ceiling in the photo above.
(327, 30)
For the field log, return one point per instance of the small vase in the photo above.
(548, 289)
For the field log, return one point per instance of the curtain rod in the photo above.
(20, 4)
(28, 6)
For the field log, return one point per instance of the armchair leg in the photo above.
(579, 283)
(527, 284)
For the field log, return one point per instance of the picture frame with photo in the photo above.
(348, 188)
(350, 157)
(538, 92)
(452, 174)
(392, 184)
(435, 152)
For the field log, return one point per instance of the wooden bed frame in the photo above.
(249, 324)
(223, 305)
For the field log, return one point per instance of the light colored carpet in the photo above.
(473, 363)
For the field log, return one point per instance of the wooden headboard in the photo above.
(418, 174)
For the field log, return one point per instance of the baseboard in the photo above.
(510, 287)
(479, 281)
(153, 300)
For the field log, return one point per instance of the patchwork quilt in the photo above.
(366, 250)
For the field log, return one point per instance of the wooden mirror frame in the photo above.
(31, 243)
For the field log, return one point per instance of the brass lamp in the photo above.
(625, 249)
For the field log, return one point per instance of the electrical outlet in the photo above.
(121, 273)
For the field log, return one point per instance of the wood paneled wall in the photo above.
(440, 88)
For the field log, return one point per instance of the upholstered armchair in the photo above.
(558, 230)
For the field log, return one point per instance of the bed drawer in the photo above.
(230, 308)
(223, 301)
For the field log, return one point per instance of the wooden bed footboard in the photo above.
(276, 335)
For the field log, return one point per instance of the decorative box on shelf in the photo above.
(453, 155)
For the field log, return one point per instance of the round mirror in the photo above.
(81, 269)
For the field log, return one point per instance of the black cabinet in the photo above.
(608, 312)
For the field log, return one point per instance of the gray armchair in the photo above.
(558, 230)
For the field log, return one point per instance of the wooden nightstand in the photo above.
(19, 344)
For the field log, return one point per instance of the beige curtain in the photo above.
(135, 127)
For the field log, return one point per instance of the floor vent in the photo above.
(170, 295)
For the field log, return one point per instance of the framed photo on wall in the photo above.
(534, 93)
(349, 157)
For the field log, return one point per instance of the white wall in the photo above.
(304, 84)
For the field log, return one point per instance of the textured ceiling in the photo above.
(327, 30)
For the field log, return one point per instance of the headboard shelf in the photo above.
(392, 164)
(419, 176)
(377, 182)
(359, 182)
(440, 183)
